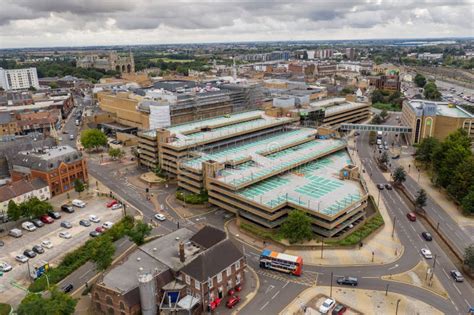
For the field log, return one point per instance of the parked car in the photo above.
(15, 233)
(46, 244)
(85, 223)
(27, 225)
(107, 225)
(67, 288)
(37, 223)
(94, 233)
(116, 206)
(78, 203)
(54, 214)
(233, 300)
(29, 253)
(160, 217)
(426, 253)
(427, 236)
(339, 309)
(457, 276)
(71, 137)
(231, 292)
(238, 288)
(46, 219)
(94, 218)
(353, 281)
(66, 224)
(380, 186)
(388, 186)
(21, 258)
(67, 208)
(38, 249)
(327, 305)
(4, 267)
(111, 203)
(65, 234)
(411, 216)
(100, 229)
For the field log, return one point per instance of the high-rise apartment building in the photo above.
(18, 79)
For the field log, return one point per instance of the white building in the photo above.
(18, 79)
(22, 190)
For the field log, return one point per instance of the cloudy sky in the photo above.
(42, 23)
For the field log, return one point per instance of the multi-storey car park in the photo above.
(262, 167)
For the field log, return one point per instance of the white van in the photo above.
(27, 225)
(78, 203)
(15, 233)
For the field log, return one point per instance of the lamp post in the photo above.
(396, 310)
(393, 229)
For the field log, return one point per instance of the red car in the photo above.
(100, 229)
(233, 301)
(46, 219)
(111, 203)
(231, 292)
(238, 288)
(214, 304)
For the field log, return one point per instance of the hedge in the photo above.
(262, 233)
(358, 235)
(194, 199)
(5, 309)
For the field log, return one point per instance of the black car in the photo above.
(348, 281)
(67, 208)
(29, 253)
(427, 236)
(84, 222)
(54, 214)
(388, 186)
(67, 288)
(94, 233)
(37, 222)
(380, 186)
(38, 249)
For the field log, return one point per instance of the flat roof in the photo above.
(445, 110)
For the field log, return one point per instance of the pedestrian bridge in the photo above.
(383, 128)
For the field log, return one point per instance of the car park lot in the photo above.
(60, 246)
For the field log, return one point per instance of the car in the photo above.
(426, 253)
(388, 186)
(380, 186)
(94, 218)
(339, 309)
(427, 236)
(356, 133)
(78, 203)
(326, 306)
(385, 147)
(380, 146)
(29, 253)
(65, 132)
(231, 292)
(238, 288)
(116, 206)
(85, 223)
(353, 281)
(67, 288)
(37, 223)
(233, 300)
(46, 219)
(160, 217)
(111, 203)
(46, 244)
(100, 229)
(54, 214)
(65, 234)
(94, 233)
(395, 157)
(411, 216)
(4, 267)
(66, 224)
(107, 225)
(27, 225)
(38, 249)
(21, 258)
(15, 233)
(71, 137)
(67, 208)
(457, 276)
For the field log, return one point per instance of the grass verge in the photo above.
(5, 309)
(262, 233)
(387, 106)
(358, 235)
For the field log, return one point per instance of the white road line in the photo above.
(412, 228)
(264, 305)
(393, 267)
(449, 227)
(467, 302)
(446, 274)
(459, 291)
(274, 296)
(286, 284)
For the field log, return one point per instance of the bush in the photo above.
(194, 199)
(5, 309)
(358, 235)
(388, 106)
(262, 233)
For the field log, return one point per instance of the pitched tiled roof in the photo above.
(19, 188)
(208, 236)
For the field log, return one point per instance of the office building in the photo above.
(18, 79)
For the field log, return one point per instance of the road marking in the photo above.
(457, 289)
(446, 274)
(274, 296)
(467, 302)
(270, 287)
(393, 267)
(412, 228)
(286, 284)
(264, 305)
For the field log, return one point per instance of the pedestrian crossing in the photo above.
(307, 278)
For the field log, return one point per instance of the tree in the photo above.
(14, 211)
(420, 200)
(59, 303)
(377, 97)
(420, 80)
(139, 232)
(32, 89)
(431, 92)
(425, 150)
(93, 139)
(469, 256)
(37, 207)
(347, 90)
(102, 252)
(462, 179)
(372, 137)
(53, 85)
(377, 120)
(378, 60)
(467, 203)
(384, 114)
(78, 186)
(297, 227)
(399, 175)
(384, 157)
(114, 153)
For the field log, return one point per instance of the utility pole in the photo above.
(434, 265)
(322, 247)
(386, 289)
(330, 293)
(393, 229)
(396, 310)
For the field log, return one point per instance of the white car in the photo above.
(160, 217)
(116, 206)
(107, 225)
(94, 218)
(327, 305)
(46, 244)
(65, 235)
(4, 267)
(21, 258)
(27, 225)
(426, 253)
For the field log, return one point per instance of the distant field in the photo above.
(172, 60)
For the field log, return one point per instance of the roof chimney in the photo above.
(181, 252)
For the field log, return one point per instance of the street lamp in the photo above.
(396, 310)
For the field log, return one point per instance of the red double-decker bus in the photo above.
(281, 262)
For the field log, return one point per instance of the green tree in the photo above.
(78, 186)
(59, 303)
(384, 157)
(14, 211)
(347, 90)
(431, 92)
(399, 175)
(114, 153)
(425, 150)
(378, 60)
(377, 97)
(139, 232)
(467, 203)
(297, 227)
(377, 120)
(419, 80)
(462, 179)
(93, 139)
(102, 252)
(469, 256)
(384, 114)
(53, 85)
(372, 137)
(37, 207)
(420, 200)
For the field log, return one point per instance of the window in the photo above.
(210, 284)
(237, 264)
(97, 296)
(108, 300)
(197, 285)
(187, 279)
(228, 271)
(219, 277)
(122, 306)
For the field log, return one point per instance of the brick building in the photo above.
(8, 124)
(57, 166)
